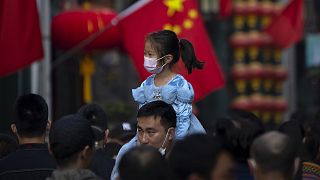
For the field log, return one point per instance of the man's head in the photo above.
(97, 119)
(273, 152)
(156, 124)
(71, 142)
(238, 130)
(200, 157)
(122, 133)
(30, 116)
(143, 163)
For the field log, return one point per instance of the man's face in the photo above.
(151, 132)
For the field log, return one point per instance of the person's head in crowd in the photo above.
(112, 149)
(156, 125)
(30, 119)
(238, 130)
(143, 163)
(71, 142)
(122, 133)
(200, 157)
(98, 121)
(273, 156)
(8, 144)
(311, 142)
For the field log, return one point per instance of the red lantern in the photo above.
(280, 73)
(239, 39)
(241, 102)
(72, 27)
(240, 71)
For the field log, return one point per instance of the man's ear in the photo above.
(296, 165)
(14, 129)
(252, 165)
(171, 133)
(87, 152)
(49, 149)
(48, 125)
(106, 136)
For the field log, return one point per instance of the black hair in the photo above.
(311, 142)
(238, 130)
(143, 163)
(166, 42)
(68, 136)
(197, 153)
(161, 109)
(31, 115)
(274, 152)
(97, 118)
(8, 144)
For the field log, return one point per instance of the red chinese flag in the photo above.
(225, 8)
(183, 17)
(287, 27)
(20, 36)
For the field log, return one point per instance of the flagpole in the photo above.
(41, 71)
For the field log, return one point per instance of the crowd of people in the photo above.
(166, 142)
(80, 146)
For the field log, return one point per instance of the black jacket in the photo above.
(30, 161)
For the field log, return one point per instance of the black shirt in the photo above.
(30, 161)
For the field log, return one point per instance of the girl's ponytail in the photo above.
(188, 56)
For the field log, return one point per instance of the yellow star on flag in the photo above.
(173, 6)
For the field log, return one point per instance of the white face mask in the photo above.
(162, 149)
(150, 64)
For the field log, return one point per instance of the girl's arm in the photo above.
(183, 103)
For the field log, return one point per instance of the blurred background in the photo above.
(270, 76)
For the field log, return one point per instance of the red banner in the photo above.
(184, 18)
(20, 36)
(287, 27)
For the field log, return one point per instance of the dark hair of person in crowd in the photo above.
(31, 115)
(143, 163)
(196, 155)
(311, 142)
(68, 136)
(97, 118)
(295, 129)
(166, 42)
(238, 130)
(8, 144)
(159, 109)
(122, 132)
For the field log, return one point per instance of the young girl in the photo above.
(161, 52)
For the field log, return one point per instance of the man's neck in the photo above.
(33, 140)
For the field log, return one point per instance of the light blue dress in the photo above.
(179, 93)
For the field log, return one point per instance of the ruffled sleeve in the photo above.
(183, 107)
(185, 92)
(140, 94)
